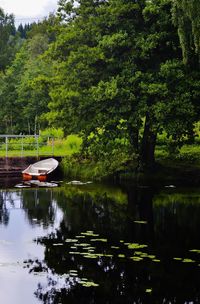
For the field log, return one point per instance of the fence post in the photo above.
(37, 146)
(6, 146)
(52, 146)
(22, 147)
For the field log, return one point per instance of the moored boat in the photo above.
(40, 170)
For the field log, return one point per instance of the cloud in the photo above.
(30, 8)
(28, 11)
(50, 7)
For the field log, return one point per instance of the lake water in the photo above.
(100, 243)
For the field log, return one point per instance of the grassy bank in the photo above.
(46, 146)
(117, 164)
(182, 166)
(78, 167)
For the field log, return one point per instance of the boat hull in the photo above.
(27, 177)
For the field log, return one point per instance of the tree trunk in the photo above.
(147, 153)
(134, 137)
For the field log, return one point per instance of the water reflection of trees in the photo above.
(39, 206)
(4, 212)
(121, 280)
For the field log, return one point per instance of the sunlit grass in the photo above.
(58, 147)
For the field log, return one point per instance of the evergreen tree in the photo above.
(7, 42)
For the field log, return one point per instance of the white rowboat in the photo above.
(40, 169)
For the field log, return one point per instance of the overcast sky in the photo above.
(25, 9)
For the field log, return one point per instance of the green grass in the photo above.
(187, 154)
(58, 147)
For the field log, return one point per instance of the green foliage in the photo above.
(25, 88)
(186, 16)
(118, 69)
(111, 71)
(7, 41)
(79, 167)
(73, 142)
(52, 132)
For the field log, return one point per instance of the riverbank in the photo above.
(167, 171)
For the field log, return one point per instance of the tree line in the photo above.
(118, 72)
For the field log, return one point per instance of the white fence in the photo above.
(21, 145)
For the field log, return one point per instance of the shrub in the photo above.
(51, 132)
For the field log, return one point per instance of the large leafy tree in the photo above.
(111, 80)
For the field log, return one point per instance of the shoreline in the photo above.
(179, 172)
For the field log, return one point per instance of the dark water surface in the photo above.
(100, 243)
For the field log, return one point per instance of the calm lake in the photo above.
(100, 243)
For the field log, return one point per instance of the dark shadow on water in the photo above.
(139, 220)
(114, 243)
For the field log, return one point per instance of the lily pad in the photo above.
(71, 240)
(140, 222)
(188, 261)
(58, 244)
(148, 290)
(177, 259)
(99, 240)
(121, 255)
(88, 284)
(195, 250)
(136, 246)
(136, 259)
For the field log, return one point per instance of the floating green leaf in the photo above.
(188, 261)
(83, 245)
(73, 271)
(151, 256)
(89, 233)
(99, 240)
(136, 246)
(148, 290)
(73, 274)
(136, 259)
(88, 284)
(71, 240)
(140, 222)
(90, 256)
(58, 244)
(195, 250)
(121, 255)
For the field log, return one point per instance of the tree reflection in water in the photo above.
(39, 207)
(103, 270)
(4, 213)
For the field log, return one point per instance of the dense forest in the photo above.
(119, 73)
